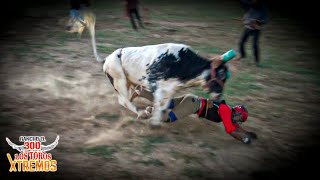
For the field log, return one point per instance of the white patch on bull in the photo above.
(174, 50)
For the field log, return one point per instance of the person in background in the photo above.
(254, 19)
(76, 8)
(132, 10)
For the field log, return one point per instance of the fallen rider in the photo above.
(188, 104)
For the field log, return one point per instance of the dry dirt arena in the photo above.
(51, 85)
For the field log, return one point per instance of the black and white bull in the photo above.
(161, 69)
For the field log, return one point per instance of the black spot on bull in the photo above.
(188, 65)
(111, 80)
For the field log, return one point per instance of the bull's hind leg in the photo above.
(123, 98)
(113, 69)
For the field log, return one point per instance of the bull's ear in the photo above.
(216, 58)
(237, 58)
(228, 74)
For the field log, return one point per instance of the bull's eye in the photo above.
(221, 74)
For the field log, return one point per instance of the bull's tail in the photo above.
(90, 21)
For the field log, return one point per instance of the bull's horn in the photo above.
(50, 146)
(19, 148)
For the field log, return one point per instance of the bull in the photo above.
(161, 69)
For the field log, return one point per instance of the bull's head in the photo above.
(216, 80)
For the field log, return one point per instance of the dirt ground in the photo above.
(51, 85)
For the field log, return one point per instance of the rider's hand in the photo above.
(246, 139)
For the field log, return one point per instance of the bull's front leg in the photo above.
(162, 97)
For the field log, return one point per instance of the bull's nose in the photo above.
(215, 96)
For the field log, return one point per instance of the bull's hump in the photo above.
(178, 61)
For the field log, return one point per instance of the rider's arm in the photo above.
(225, 114)
(234, 130)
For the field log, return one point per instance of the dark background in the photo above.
(302, 13)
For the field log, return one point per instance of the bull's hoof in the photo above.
(144, 114)
(149, 109)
